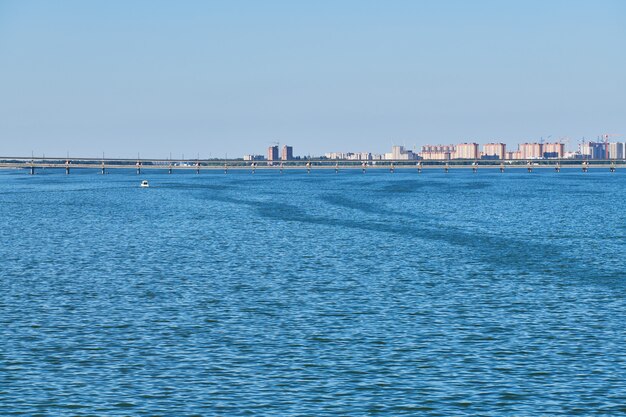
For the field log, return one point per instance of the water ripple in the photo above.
(377, 294)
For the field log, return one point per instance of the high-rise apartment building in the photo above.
(272, 153)
(616, 150)
(399, 153)
(593, 150)
(287, 154)
(494, 151)
(553, 150)
(466, 151)
(531, 150)
(437, 152)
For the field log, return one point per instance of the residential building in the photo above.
(616, 150)
(399, 153)
(287, 154)
(553, 150)
(359, 156)
(514, 155)
(437, 152)
(272, 153)
(593, 150)
(531, 150)
(466, 151)
(353, 156)
(494, 151)
(253, 157)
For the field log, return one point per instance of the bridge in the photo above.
(32, 164)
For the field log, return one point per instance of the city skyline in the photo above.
(607, 146)
(600, 149)
(568, 145)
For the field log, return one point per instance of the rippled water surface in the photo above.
(323, 294)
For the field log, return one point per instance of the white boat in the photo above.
(144, 184)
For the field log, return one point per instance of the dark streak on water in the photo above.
(266, 294)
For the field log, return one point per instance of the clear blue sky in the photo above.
(230, 77)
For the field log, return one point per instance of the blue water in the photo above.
(323, 294)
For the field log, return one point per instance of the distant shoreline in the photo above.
(104, 165)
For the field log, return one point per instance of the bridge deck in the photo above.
(207, 165)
